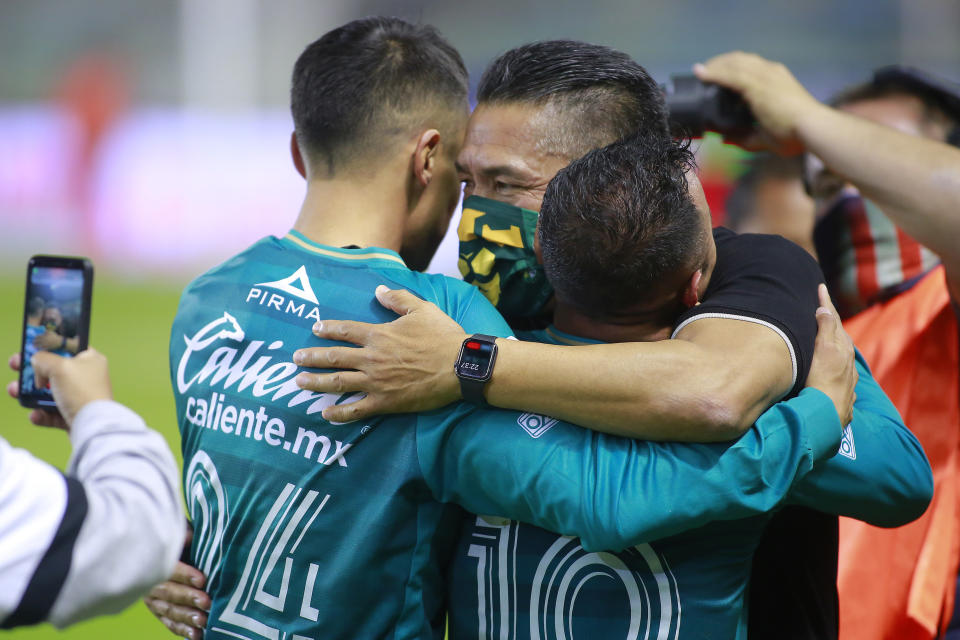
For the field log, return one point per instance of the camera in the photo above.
(695, 106)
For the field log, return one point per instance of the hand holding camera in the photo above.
(779, 103)
(753, 102)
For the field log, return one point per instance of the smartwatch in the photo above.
(474, 366)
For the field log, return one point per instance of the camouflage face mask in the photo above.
(497, 257)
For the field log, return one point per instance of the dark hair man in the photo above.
(306, 526)
(726, 359)
(620, 235)
(555, 100)
(887, 193)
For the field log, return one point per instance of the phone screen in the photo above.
(56, 317)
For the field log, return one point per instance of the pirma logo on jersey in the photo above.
(535, 424)
(297, 285)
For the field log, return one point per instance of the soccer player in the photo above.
(614, 226)
(743, 342)
(311, 528)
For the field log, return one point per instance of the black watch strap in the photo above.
(472, 390)
(471, 387)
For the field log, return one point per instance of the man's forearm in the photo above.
(618, 492)
(914, 180)
(656, 391)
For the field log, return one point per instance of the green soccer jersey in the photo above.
(305, 529)
(514, 580)
(308, 529)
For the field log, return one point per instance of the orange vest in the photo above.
(898, 584)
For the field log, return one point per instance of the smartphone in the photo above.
(56, 317)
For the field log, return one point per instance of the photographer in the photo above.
(884, 161)
(94, 540)
(769, 198)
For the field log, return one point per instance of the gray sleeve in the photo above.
(123, 525)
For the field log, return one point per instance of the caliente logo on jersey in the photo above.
(228, 368)
(224, 359)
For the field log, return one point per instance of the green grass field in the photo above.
(131, 325)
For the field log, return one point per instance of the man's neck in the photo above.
(569, 320)
(366, 212)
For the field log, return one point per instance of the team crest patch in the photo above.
(847, 447)
(535, 424)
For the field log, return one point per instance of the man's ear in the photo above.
(536, 243)
(425, 156)
(297, 156)
(690, 295)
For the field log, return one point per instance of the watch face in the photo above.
(476, 360)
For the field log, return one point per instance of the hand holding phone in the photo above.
(74, 383)
(56, 318)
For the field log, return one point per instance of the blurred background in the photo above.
(152, 136)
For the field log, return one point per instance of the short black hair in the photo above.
(619, 230)
(602, 94)
(369, 80)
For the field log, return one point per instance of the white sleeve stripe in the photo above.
(47, 580)
(33, 500)
(731, 316)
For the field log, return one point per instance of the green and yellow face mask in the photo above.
(497, 256)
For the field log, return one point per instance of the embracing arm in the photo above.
(717, 375)
(710, 384)
(615, 492)
(881, 474)
(618, 492)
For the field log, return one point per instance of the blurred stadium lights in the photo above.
(930, 35)
(164, 146)
(219, 52)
